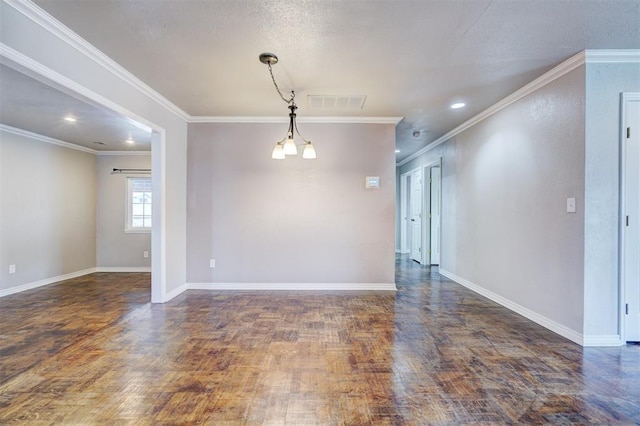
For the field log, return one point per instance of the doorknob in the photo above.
(413, 220)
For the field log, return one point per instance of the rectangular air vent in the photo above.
(341, 102)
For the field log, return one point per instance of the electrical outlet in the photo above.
(212, 263)
(12, 269)
(145, 254)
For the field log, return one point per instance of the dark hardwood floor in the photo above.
(93, 350)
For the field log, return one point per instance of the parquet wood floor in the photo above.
(93, 350)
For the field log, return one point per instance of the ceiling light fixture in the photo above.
(130, 140)
(397, 151)
(287, 146)
(70, 119)
(458, 105)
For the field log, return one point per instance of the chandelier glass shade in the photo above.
(288, 146)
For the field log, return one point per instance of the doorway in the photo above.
(420, 213)
(630, 218)
(61, 86)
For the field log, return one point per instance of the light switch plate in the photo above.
(372, 182)
(571, 205)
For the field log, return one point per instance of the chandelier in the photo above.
(287, 146)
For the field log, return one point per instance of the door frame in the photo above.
(422, 213)
(426, 208)
(404, 211)
(624, 99)
(439, 210)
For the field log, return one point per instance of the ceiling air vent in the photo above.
(342, 102)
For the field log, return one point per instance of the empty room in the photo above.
(322, 212)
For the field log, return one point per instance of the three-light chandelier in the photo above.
(287, 146)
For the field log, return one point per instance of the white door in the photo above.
(631, 217)
(416, 215)
(435, 215)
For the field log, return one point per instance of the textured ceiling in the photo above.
(410, 58)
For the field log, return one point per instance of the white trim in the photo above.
(54, 141)
(625, 98)
(136, 153)
(602, 340)
(293, 286)
(285, 119)
(173, 293)
(46, 281)
(58, 29)
(547, 323)
(158, 213)
(596, 56)
(546, 78)
(404, 224)
(46, 139)
(123, 269)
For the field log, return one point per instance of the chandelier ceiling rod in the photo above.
(287, 146)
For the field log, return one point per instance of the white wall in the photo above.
(115, 248)
(504, 187)
(47, 210)
(604, 84)
(78, 67)
(294, 220)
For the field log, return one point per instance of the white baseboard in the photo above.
(293, 286)
(556, 327)
(602, 340)
(46, 281)
(123, 269)
(175, 292)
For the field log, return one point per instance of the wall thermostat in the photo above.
(373, 182)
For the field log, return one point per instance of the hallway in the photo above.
(94, 350)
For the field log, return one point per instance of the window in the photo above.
(138, 205)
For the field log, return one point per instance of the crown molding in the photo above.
(58, 29)
(48, 76)
(283, 119)
(46, 139)
(53, 141)
(581, 58)
(612, 56)
(546, 78)
(130, 153)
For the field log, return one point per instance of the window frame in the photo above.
(129, 228)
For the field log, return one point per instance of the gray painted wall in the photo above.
(48, 210)
(294, 220)
(115, 248)
(604, 84)
(504, 187)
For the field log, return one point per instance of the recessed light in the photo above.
(397, 151)
(130, 140)
(458, 105)
(70, 119)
